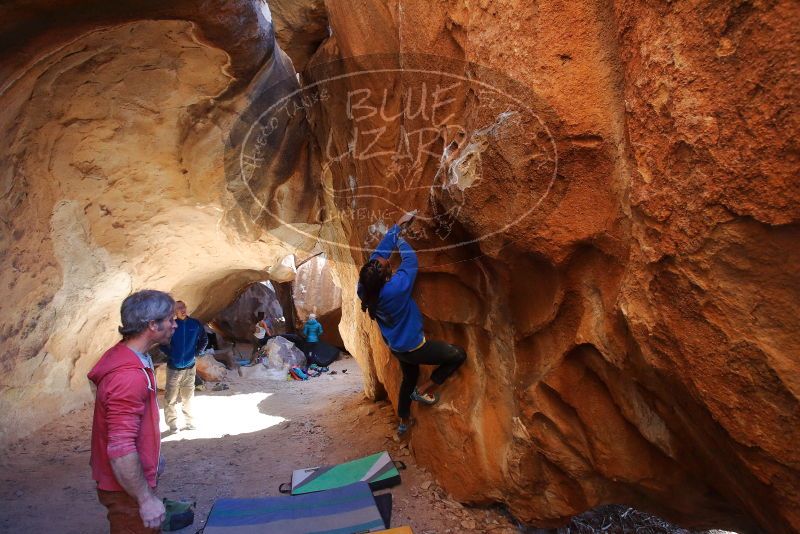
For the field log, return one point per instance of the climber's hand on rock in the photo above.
(406, 219)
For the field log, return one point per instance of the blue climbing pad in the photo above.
(337, 511)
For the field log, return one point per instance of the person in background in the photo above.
(312, 331)
(387, 299)
(126, 445)
(262, 332)
(223, 351)
(189, 340)
(213, 342)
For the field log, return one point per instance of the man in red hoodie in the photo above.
(126, 442)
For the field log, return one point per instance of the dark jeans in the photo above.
(309, 349)
(123, 513)
(448, 357)
(212, 340)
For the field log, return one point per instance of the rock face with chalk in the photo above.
(611, 240)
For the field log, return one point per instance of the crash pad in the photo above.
(321, 353)
(377, 469)
(347, 509)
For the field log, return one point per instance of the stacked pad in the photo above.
(323, 354)
(378, 470)
(347, 509)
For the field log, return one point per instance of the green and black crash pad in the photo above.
(378, 470)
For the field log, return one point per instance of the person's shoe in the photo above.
(403, 428)
(424, 398)
(190, 427)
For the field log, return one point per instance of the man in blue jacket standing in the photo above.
(187, 342)
(386, 296)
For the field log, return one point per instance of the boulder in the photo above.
(210, 369)
(283, 271)
(261, 371)
(237, 320)
(606, 224)
(283, 354)
(315, 290)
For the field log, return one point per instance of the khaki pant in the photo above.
(123, 513)
(180, 388)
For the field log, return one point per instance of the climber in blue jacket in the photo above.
(387, 299)
(312, 330)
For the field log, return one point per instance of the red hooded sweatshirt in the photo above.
(125, 416)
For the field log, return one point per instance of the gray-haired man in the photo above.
(126, 443)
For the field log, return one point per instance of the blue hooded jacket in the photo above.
(188, 340)
(398, 316)
(312, 330)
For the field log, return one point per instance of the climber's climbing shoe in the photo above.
(425, 398)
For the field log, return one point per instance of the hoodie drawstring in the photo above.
(147, 376)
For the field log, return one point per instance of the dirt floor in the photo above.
(249, 438)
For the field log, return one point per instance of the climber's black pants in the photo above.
(448, 357)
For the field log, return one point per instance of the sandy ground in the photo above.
(249, 439)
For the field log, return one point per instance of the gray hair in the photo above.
(139, 308)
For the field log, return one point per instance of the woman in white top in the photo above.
(262, 333)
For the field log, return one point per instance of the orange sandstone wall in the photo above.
(633, 338)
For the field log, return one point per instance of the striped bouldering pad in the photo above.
(342, 510)
(378, 470)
